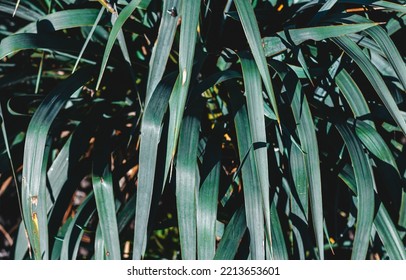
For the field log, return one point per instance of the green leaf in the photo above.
(250, 180)
(57, 248)
(255, 108)
(150, 136)
(384, 4)
(374, 143)
(104, 196)
(143, 5)
(187, 45)
(62, 174)
(188, 180)
(254, 212)
(89, 36)
(307, 135)
(126, 214)
(388, 234)
(62, 20)
(122, 18)
(395, 23)
(162, 48)
(208, 197)
(388, 47)
(374, 78)
(22, 12)
(299, 198)
(36, 152)
(284, 39)
(99, 251)
(21, 243)
(352, 94)
(232, 236)
(251, 29)
(365, 192)
(76, 228)
(327, 6)
(18, 42)
(383, 222)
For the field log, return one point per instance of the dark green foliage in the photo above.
(187, 129)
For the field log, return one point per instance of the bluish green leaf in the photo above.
(150, 136)
(76, 228)
(62, 20)
(374, 143)
(284, 39)
(36, 152)
(365, 183)
(188, 181)
(232, 236)
(383, 222)
(307, 135)
(374, 78)
(122, 18)
(256, 118)
(251, 29)
(208, 197)
(162, 47)
(104, 196)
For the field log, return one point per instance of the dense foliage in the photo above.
(187, 129)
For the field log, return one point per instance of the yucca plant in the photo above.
(203, 129)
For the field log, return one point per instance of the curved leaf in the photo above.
(36, 152)
(374, 78)
(374, 143)
(150, 135)
(383, 222)
(307, 135)
(232, 236)
(76, 228)
(26, 41)
(122, 18)
(62, 20)
(284, 39)
(251, 29)
(365, 192)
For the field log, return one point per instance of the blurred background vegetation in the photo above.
(187, 129)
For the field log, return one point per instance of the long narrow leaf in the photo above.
(62, 20)
(232, 236)
(208, 198)
(187, 182)
(352, 94)
(365, 192)
(383, 222)
(122, 18)
(162, 47)
(35, 161)
(76, 228)
(18, 42)
(373, 76)
(256, 118)
(150, 135)
(281, 42)
(307, 136)
(104, 196)
(374, 143)
(187, 46)
(388, 47)
(251, 29)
